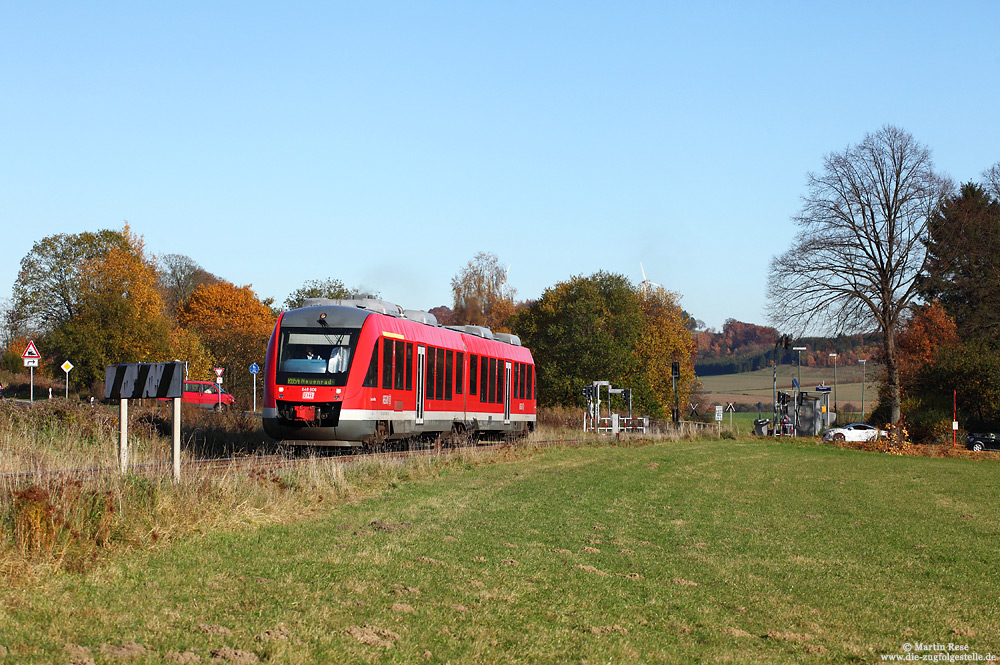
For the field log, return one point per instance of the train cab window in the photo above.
(473, 374)
(371, 378)
(531, 384)
(459, 372)
(429, 384)
(311, 351)
(399, 367)
(409, 365)
(387, 364)
(439, 375)
(449, 372)
(492, 395)
(484, 380)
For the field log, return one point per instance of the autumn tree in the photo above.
(926, 333)
(444, 315)
(234, 326)
(117, 314)
(854, 262)
(317, 288)
(602, 327)
(185, 345)
(481, 294)
(179, 276)
(47, 291)
(666, 338)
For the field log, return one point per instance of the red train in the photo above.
(359, 372)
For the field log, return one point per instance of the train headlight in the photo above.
(281, 389)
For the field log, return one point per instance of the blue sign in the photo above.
(254, 368)
(795, 382)
(823, 389)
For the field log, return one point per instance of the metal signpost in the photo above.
(218, 380)
(66, 367)
(150, 381)
(31, 356)
(834, 356)
(864, 368)
(253, 370)
(795, 407)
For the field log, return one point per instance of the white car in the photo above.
(855, 432)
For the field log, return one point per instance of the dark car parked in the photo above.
(984, 441)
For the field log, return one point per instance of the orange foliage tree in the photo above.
(119, 318)
(665, 338)
(928, 331)
(234, 325)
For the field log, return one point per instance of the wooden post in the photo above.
(123, 436)
(177, 438)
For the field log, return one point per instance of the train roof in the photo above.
(351, 313)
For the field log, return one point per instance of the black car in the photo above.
(984, 441)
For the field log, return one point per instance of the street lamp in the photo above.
(834, 356)
(864, 365)
(800, 349)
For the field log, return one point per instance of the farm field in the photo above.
(753, 387)
(674, 552)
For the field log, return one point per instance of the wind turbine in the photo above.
(646, 285)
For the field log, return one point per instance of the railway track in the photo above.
(252, 463)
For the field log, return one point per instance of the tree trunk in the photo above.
(892, 373)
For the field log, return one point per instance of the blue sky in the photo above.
(385, 143)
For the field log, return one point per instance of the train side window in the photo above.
(518, 386)
(429, 383)
(371, 378)
(459, 372)
(387, 364)
(399, 369)
(484, 380)
(439, 375)
(473, 374)
(449, 372)
(492, 395)
(531, 383)
(500, 381)
(409, 365)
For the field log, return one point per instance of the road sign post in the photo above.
(66, 367)
(254, 368)
(218, 380)
(31, 356)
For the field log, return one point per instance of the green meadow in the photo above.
(673, 552)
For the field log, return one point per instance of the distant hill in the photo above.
(746, 347)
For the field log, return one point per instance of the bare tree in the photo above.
(854, 262)
(481, 293)
(179, 276)
(992, 178)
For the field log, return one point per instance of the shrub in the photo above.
(34, 526)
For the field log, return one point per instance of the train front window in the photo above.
(317, 357)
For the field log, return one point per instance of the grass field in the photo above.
(692, 551)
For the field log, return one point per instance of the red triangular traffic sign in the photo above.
(31, 351)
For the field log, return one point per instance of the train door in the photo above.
(506, 393)
(421, 378)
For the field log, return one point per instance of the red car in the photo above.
(206, 395)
